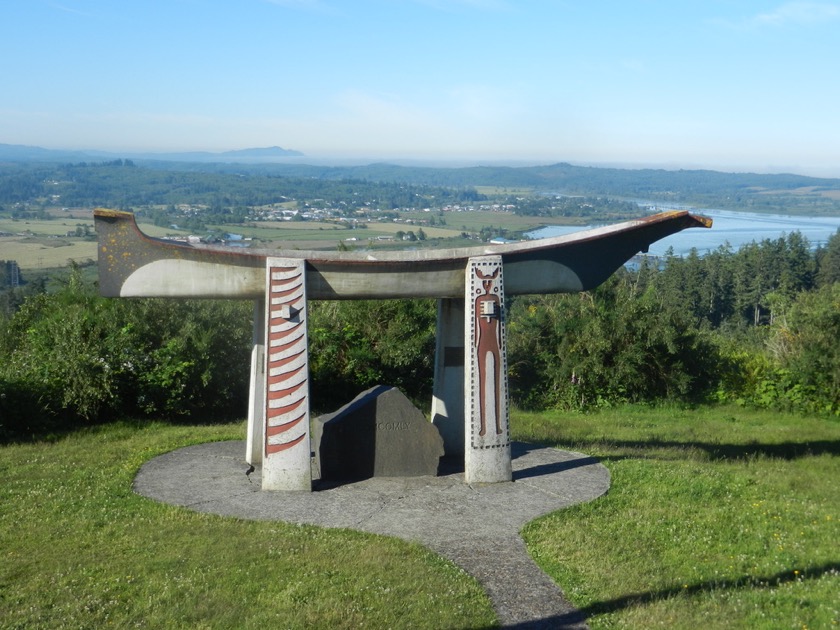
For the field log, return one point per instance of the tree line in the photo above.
(24, 189)
(759, 326)
(118, 183)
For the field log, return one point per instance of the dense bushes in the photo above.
(71, 356)
(356, 345)
(771, 310)
(800, 368)
(612, 345)
(760, 326)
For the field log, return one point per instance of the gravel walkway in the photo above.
(476, 526)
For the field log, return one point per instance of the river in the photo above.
(735, 228)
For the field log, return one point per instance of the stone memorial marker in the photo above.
(380, 433)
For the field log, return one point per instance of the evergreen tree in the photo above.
(828, 261)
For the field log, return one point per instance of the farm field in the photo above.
(44, 244)
(43, 227)
(456, 222)
(474, 221)
(503, 190)
(43, 253)
(321, 235)
(295, 231)
(41, 244)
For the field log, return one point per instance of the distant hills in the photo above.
(782, 193)
(24, 153)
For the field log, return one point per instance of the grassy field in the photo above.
(456, 223)
(37, 227)
(503, 190)
(474, 221)
(59, 227)
(314, 231)
(78, 549)
(717, 518)
(321, 235)
(289, 230)
(43, 244)
(42, 253)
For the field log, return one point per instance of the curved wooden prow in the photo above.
(132, 264)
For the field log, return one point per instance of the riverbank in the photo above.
(733, 228)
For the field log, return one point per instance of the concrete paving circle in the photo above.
(476, 526)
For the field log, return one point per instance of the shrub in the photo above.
(73, 357)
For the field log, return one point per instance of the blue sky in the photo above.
(725, 84)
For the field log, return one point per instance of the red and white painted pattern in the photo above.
(287, 386)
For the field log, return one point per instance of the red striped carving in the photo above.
(285, 333)
(277, 448)
(285, 427)
(287, 406)
(285, 346)
(285, 376)
(287, 409)
(281, 294)
(285, 360)
(282, 393)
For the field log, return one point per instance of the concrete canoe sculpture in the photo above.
(469, 404)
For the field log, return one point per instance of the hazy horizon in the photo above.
(456, 162)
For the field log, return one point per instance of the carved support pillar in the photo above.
(286, 453)
(487, 422)
(448, 390)
(256, 394)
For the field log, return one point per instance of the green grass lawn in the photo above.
(78, 549)
(716, 518)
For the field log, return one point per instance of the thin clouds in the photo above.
(61, 7)
(376, 108)
(297, 4)
(797, 14)
(636, 66)
(454, 5)
(483, 104)
(377, 120)
(801, 13)
(311, 6)
(391, 123)
(788, 14)
(464, 106)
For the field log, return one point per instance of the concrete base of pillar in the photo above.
(285, 479)
(490, 465)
